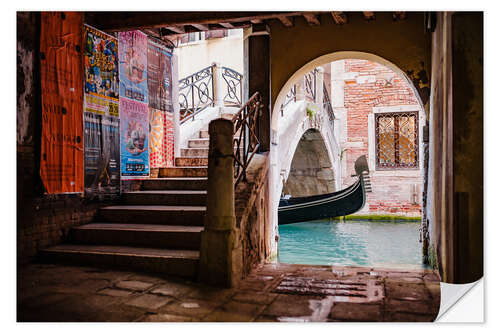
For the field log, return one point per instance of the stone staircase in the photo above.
(156, 229)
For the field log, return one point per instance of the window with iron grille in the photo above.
(396, 140)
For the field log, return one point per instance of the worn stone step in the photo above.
(191, 161)
(166, 197)
(194, 152)
(146, 214)
(204, 134)
(147, 235)
(199, 143)
(182, 263)
(183, 172)
(179, 183)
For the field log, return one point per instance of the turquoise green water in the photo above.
(351, 243)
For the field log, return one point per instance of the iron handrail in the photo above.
(327, 104)
(246, 135)
(234, 87)
(196, 92)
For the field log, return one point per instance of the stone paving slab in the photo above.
(272, 292)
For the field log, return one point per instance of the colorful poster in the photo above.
(61, 163)
(101, 116)
(160, 105)
(101, 72)
(133, 46)
(134, 132)
(161, 138)
(159, 77)
(102, 154)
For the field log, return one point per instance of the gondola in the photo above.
(322, 206)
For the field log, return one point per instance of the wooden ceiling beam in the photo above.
(121, 21)
(200, 27)
(369, 16)
(286, 21)
(339, 18)
(226, 25)
(256, 21)
(312, 19)
(398, 16)
(176, 29)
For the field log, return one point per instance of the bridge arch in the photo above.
(280, 162)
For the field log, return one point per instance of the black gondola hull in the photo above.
(341, 203)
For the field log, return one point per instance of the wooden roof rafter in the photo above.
(340, 18)
(311, 18)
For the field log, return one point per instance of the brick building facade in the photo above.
(380, 117)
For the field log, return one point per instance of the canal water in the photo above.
(351, 243)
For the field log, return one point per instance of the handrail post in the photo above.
(218, 84)
(218, 260)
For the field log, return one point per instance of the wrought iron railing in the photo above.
(196, 92)
(310, 85)
(327, 105)
(234, 88)
(246, 138)
(291, 96)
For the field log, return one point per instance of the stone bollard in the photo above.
(218, 240)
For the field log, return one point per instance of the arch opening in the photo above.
(355, 130)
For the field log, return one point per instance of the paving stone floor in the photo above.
(273, 292)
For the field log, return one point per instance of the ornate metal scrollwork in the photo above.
(246, 138)
(196, 93)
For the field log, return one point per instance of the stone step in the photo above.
(182, 263)
(199, 143)
(191, 161)
(147, 235)
(177, 172)
(165, 197)
(204, 134)
(194, 152)
(146, 214)
(180, 183)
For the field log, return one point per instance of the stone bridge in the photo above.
(305, 154)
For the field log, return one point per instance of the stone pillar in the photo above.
(257, 64)
(218, 240)
(219, 85)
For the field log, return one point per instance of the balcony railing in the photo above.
(201, 90)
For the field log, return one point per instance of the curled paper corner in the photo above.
(462, 303)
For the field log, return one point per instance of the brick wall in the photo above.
(368, 85)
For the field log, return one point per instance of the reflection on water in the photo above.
(356, 243)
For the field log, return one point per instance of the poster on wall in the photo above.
(134, 132)
(101, 113)
(133, 46)
(61, 163)
(160, 105)
(159, 77)
(102, 154)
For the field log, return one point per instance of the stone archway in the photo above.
(279, 158)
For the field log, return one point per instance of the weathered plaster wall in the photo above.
(404, 43)
(455, 181)
(467, 43)
(42, 220)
